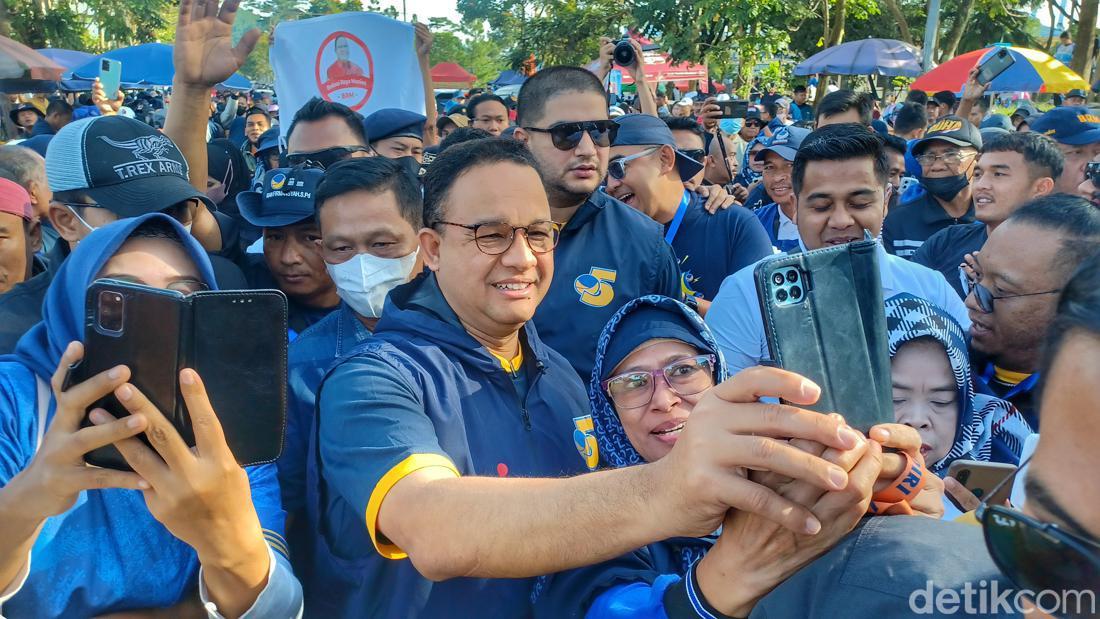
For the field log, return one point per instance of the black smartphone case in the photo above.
(836, 336)
(235, 340)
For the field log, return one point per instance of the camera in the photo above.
(624, 53)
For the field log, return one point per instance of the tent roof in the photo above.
(451, 72)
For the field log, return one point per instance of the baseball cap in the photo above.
(953, 130)
(944, 97)
(458, 120)
(268, 139)
(14, 200)
(998, 121)
(22, 107)
(285, 197)
(785, 142)
(1071, 125)
(1023, 111)
(646, 130)
(1077, 92)
(393, 122)
(123, 164)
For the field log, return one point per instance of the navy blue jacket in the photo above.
(945, 250)
(909, 225)
(424, 393)
(608, 254)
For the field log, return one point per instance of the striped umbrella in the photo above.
(19, 62)
(1033, 71)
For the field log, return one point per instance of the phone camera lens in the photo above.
(792, 276)
(777, 279)
(110, 311)
(796, 293)
(781, 295)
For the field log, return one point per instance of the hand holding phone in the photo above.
(997, 63)
(733, 109)
(110, 77)
(982, 478)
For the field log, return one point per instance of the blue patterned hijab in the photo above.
(989, 429)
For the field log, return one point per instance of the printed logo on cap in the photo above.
(344, 70)
(278, 181)
(945, 126)
(147, 157)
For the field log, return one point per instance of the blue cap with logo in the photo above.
(1071, 125)
(393, 122)
(268, 139)
(285, 197)
(646, 130)
(785, 142)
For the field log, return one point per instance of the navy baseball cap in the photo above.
(269, 139)
(126, 166)
(285, 197)
(646, 130)
(1071, 125)
(1077, 92)
(785, 142)
(998, 121)
(394, 123)
(950, 129)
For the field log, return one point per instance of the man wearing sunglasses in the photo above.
(1012, 169)
(947, 155)
(608, 253)
(324, 132)
(1012, 300)
(648, 172)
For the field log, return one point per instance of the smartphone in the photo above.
(824, 319)
(235, 340)
(981, 478)
(733, 109)
(994, 65)
(110, 76)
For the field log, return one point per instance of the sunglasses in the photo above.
(1040, 556)
(696, 154)
(1092, 172)
(325, 157)
(616, 169)
(567, 135)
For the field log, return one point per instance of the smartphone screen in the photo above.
(110, 76)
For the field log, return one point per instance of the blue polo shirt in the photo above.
(424, 393)
(781, 230)
(945, 251)
(711, 247)
(608, 254)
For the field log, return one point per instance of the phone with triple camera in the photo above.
(824, 319)
(235, 340)
(733, 109)
(980, 478)
(110, 77)
(997, 63)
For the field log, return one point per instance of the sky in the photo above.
(424, 9)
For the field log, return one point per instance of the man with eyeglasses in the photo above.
(102, 169)
(648, 172)
(1012, 300)
(609, 253)
(396, 133)
(1012, 169)
(1077, 132)
(946, 155)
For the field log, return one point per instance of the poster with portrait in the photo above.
(364, 60)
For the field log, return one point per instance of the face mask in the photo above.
(945, 188)
(730, 126)
(364, 281)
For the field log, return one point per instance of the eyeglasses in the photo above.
(325, 157)
(617, 169)
(685, 377)
(1039, 556)
(696, 154)
(495, 238)
(1092, 172)
(182, 286)
(985, 298)
(567, 135)
(951, 157)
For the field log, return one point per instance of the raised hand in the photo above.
(204, 54)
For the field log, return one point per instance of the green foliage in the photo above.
(468, 45)
(91, 25)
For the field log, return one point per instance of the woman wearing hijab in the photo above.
(655, 360)
(934, 394)
(751, 172)
(79, 541)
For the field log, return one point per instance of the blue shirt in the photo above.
(782, 232)
(423, 393)
(734, 315)
(711, 247)
(608, 254)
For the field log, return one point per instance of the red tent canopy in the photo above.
(451, 75)
(659, 68)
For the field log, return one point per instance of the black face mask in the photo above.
(945, 188)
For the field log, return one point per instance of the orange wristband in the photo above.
(894, 499)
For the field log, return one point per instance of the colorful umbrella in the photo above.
(865, 57)
(1033, 71)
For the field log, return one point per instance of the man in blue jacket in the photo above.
(609, 253)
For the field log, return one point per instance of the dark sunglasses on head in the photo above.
(1041, 556)
(325, 157)
(1092, 172)
(567, 135)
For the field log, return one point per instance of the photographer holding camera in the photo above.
(627, 53)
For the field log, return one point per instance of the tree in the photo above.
(1083, 44)
(468, 45)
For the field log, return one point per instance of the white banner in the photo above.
(364, 60)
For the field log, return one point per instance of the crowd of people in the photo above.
(528, 372)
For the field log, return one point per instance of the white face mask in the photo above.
(187, 227)
(364, 281)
